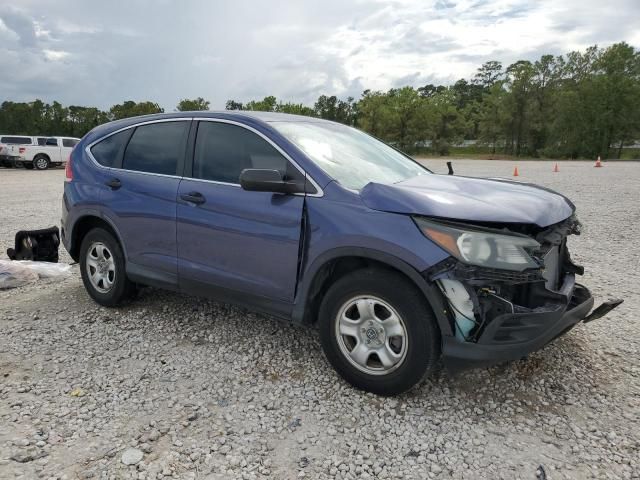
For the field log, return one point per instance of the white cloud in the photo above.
(97, 54)
(55, 55)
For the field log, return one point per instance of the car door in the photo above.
(67, 148)
(140, 197)
(52, 148)
(230, 238)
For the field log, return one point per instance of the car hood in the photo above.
(471, 199)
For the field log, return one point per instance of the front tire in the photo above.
(102, 267)
(378, 331)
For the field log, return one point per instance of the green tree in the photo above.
(187, 105)
(409, 119)
(492, 117)
(520, 83)
(296, 109)
(332, 108)
(83, 119)
(617, 86)
(430, 90)
(488, 75)
(448, 121)
(375, 114)
(267, 104)
(233, 105)
(133, 109)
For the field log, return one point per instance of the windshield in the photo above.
(348, 155)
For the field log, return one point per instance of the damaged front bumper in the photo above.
(499, 315)
(512, 336)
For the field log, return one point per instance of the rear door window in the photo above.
(223, 150)
(156, 148)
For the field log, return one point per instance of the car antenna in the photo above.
(450, 167)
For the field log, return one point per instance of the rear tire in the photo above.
(41, 162)
(378, 331)
(102, 266)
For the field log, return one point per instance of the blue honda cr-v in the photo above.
(319, 223)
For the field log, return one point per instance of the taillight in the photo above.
(22, 149)
(68, 174)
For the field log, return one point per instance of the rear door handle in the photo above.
(114, 183)
(193, 197)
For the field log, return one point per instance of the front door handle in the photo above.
(114, 183)
(193, 197)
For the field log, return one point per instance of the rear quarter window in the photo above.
(108, 151)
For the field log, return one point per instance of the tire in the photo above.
(28, 166)
(366, 299)
(41, 162)
(102, 266)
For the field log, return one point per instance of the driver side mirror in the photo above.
(267, 180)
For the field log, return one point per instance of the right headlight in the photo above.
(482, 248)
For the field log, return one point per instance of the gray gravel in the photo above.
(199, 389)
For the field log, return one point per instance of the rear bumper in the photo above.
(533, 331)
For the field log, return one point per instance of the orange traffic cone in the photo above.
(598, 162)
(556, 169)
(515, 172)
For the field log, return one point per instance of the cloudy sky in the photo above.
(90, 52)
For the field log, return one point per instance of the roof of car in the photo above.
(249, 116)
(264, 116)
(272, 116)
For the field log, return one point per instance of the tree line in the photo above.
(579, 105)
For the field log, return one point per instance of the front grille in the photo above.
(470, 272)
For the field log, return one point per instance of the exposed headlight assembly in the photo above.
(484, 248)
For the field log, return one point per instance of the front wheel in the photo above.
(102, 267)
(378, 331)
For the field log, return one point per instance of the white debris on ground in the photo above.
(173, 386)
(15, 273)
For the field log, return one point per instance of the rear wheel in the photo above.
(378, 331)
(102, 267)
(41, 162)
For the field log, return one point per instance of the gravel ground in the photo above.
(175, 386)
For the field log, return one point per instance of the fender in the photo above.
(90, 212)
(431, 293)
